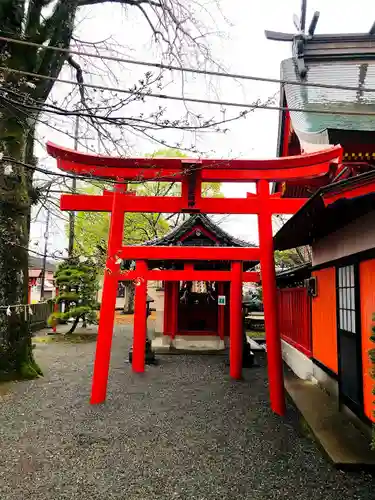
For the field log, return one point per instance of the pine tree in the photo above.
(78, 286)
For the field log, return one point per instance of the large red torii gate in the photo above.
(191, 173)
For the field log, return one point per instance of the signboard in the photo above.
(221, 300)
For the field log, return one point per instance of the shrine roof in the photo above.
(329, 209)
(314, 128)
(199, 221)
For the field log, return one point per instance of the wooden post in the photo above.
(167, 301)
(235, 349)
(174, 308)
(221, 314)
(140, 319)
(108, 306)
(268, 276)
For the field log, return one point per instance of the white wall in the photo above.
(355, 237)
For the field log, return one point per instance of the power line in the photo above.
(114, 120)
(189, 99)
(89, 177)
(237, 76)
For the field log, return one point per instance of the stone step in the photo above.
(343, 443)
(196, 343)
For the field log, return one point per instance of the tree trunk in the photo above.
(74, 325)
(16, 355)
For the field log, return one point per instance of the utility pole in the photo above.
(72, 215)
(43, 276)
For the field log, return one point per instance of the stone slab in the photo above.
(342, 442)
(198, 343)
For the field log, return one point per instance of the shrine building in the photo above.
(326, 307)
(194, 314)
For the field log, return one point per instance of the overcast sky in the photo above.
(240, 47)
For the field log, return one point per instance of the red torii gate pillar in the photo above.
(268, 276)
(108, 305)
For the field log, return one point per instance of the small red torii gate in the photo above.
(191, 173)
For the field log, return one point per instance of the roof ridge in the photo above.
(189, 223)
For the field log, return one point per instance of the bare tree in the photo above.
(26, 101)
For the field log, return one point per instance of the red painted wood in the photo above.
(174, 204)
(275, 369)
(349, 192)
(167, 301)
(140, 320)
(221, 313)
(189, 253)
(116, 166)
(251, 277)
(183, 275)
(242, 175)
(286, 168)
(294, 314)
(107, 310)
(235, 339)
(189, 275)
(174, 308)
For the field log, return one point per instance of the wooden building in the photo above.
(194, 315)
(326, 325)
(325, 308)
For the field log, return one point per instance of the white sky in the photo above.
(243, 48)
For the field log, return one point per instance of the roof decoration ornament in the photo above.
(307, 45)
(300, 38)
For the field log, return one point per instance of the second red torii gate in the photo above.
(191, 173)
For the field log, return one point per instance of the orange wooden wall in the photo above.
(324, 327)
(367, 295)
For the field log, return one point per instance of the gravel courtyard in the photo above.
(183, 430)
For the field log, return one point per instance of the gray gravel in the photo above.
(183, 430)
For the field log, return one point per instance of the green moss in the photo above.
(28, 371)
(72, 338)
(256, 335)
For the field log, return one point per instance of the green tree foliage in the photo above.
(91, 229)
(285, 259)
(78, 285)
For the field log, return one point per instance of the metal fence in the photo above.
(294, 314)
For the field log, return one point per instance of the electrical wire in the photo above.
(237, 76)
(190, 99)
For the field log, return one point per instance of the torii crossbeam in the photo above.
(191, 173)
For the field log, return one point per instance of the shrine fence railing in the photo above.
(294, 316)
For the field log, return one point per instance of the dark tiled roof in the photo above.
(174, 236)
(37, 263)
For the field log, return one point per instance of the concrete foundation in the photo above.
(300, 364)
(306, 369)
(163, 343)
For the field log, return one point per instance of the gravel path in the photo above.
(184, 430)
